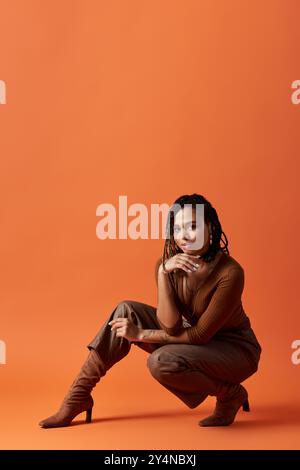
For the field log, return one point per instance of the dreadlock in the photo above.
(210, 216)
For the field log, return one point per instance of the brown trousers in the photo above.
(189, 371)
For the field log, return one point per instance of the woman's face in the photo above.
(191, 238)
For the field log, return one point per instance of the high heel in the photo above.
(246, 406)
(226, 410)
(88, 418)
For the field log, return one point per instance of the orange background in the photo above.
(151, 100)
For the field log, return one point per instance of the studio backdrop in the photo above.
(139, 102)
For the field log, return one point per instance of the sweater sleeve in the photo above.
(225, 299)
(174, 330)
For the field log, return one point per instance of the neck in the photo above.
(219, 251)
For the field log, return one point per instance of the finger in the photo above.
(182, 265)
(115, 320)
(116, 329)
(191, 264)
(120, 332)
(187, 265)
(191, 261)
(119, 324)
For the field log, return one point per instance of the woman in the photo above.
(199, 337)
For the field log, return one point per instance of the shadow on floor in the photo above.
(167, 414)
(260, 415)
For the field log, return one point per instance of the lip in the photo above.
(184, 245)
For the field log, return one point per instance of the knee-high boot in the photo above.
(78, 398)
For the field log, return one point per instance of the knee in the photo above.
(153, 363)
(161, 362)
(123, 308)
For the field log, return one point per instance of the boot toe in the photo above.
(214, 421)
(46, 423)
(51, 422)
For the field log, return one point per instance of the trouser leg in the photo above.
(192, 372)
(112, 348)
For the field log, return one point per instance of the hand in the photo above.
(125, 328)
(188, 263)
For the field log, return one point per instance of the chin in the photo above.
(190, 250)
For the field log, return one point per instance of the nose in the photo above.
(186, 237)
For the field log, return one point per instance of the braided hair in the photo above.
(210, 216)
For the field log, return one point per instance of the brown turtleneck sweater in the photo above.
(213, 304)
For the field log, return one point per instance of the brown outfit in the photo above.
(223, 348)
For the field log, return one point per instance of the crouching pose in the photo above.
(199, 338)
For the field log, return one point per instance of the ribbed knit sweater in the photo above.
(216, 303)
